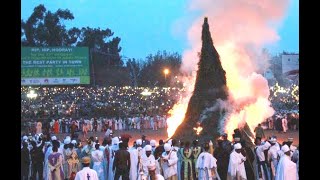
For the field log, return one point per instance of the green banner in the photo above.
(54, 65)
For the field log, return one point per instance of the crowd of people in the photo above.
(283, 121)
(48, 157)
(139, 122)
(77, 102)
(85, 102)
(72, 110)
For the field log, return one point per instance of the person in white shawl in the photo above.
(207, 165)
(273, 156)
(236, 168)
(135, 153)
(115, 147)
(170, 160)
(286, 169)
(97, 158)
(147, 160)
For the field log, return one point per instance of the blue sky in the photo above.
(146, 26)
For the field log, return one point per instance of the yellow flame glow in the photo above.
(177, 113)
(198, 129)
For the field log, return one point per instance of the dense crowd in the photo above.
(51, 158)
(94, 102)
(79, 101)
(119, 102)
(284, 98)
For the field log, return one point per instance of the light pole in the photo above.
(166, 72)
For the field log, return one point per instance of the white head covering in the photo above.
(115, 140)
(237, 146)
(167, 147)
(285, 148)
(74, 142)
(53, 138)
(153, 142)
(68, 137)
(25, 138)
(148, 148)
(67, 141)
(139, 141)
(273, 140)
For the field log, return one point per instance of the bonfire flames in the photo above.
(198, 129)
(239, 30)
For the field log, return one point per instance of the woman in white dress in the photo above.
(116, 124)
(120, 124)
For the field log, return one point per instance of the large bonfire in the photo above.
(200, 120)
(214, 104)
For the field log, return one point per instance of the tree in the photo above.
(210, 85)
(134, 69)
(44, 28)
(152, 69)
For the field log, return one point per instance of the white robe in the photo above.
(137, 120)
(112, 152)
(273, 157)
(205, 163)
(286, 169)
(86, 171)
(170, 167)
(236, 165)
(120, 124)
(284, 124)
(116, 124)
(107, 134)
(97, 158)
(134, 155)
(146, 161)
(39, 128)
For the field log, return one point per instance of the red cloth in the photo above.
(56, 127)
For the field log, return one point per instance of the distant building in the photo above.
(290, 64)
(290, 67)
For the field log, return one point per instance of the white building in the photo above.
(290, 64)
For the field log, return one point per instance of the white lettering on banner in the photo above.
(35, 49)
(75, 62)
(39, 81)
(26, 62)
(53, 62)
(61, 49)
(38, 62)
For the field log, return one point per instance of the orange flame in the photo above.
(177, 113)
(198, 129)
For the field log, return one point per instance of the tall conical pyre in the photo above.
(209, 88)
